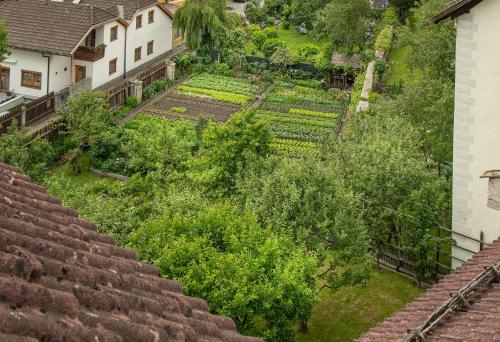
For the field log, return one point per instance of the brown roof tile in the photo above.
(480, 322)
(61, 280)
(49, 26)
(170, 9)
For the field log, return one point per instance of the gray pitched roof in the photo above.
(47, 26)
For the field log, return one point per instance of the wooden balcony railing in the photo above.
(90, 54)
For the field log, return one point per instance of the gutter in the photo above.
(48, 71)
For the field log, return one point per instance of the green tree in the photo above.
(228, 148)
(281, 58)
(428, 104)
(253, 12)
(307, 200)
(87, 117)
(259, 38)
(271, 45)
(433, 46)
(31, 157)
(304, 12)
(4, 50)
(244, 271)
(381, 157)
(202, 22)
(344, 22)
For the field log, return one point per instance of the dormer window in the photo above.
(138, 21)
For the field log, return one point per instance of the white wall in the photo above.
(26, 60)
(60, 72)
(160, 31)
(115, 49)
(477, 124)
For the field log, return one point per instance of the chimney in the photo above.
(120, 11)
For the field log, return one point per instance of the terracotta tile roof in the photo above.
(480, 322)
(48, 26)
(170, 9)
(61, 280)
(457, 8)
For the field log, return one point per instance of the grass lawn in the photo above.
(399, 69)
(293, 39)
(65, 171)
(346, 314)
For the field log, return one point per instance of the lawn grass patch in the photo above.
(293, 40)
(351, 311)
(399, 69)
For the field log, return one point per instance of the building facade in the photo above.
(103, 40)
(476, 123)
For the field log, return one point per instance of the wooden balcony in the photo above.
(88, 54)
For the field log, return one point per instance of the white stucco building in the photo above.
(476, 145)
(55, 44)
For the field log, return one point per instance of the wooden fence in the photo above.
(7, 119)
(51, 132)
(35, 111)
(153, 74)
(118, 94)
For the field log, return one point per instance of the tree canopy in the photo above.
(344, 22)
(202, 22)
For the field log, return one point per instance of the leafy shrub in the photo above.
(380, 67)
(148, 92)
(271, 45)
(259, 38)
(222, 69)
(184, 60)
(390, 16)
(132, 102)
(307, 52)
(31, 159)
(384, 40)
(271, 32)
(286, 25)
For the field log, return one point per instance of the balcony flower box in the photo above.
(90, 54)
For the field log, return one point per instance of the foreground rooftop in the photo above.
(61, 280)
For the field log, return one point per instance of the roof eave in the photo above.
(53, 52)
(458, 9)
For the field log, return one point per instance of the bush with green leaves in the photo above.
(18, 149)
(259, 38)
(244, 271)
(271, 45)
(384, 40)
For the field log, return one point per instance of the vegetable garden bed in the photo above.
(301, 117)
(206, 95)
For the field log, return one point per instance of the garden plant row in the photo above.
(221, 88)
(301, 117)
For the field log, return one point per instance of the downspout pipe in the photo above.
(48, 71)
(125, 55)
